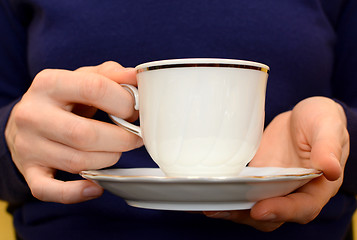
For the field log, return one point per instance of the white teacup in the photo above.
(200, 117)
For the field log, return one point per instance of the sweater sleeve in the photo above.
(350, 178)
(345, 85)
(14, 81)
(13, 187)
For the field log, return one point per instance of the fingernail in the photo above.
(333, 157)
(92, 191)
(268, 217)
(139, 143)
(218, 214)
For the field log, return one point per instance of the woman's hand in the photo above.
(312, 135)
(50, 129)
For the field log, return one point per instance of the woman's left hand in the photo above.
(312, 135)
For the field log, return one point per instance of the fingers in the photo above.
(91, 135)
(243, 217)
(46, 188)
(301, 206)
(65, 87)
(271, 209)
(44, 135)
(72, 130)
(113, 71)
(86, 134)
(58, 156)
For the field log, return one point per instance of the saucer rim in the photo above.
(307, 173)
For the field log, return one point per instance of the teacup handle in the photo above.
(121, 122)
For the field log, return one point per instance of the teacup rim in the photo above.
(202, 62)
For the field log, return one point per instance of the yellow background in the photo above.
(6, 229)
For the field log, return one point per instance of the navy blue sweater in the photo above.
(308, 44)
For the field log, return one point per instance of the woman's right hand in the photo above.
(50, 129)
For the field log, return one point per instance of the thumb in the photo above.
(329, 149)
(327, 159)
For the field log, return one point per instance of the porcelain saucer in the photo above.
(150, 188)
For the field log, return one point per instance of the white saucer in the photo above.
(150, 188)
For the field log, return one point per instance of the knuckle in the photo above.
(93, 88)
(81, 134)
(109, 66)
(23, 114)
(43, 75)
(20, 147)
(84, 69)
(102, 68)
(38, 191)
(44, 79)
(75, 163)
(64, 196)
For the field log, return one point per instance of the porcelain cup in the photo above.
(200, 117)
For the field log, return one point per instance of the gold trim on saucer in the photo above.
(95, 174)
